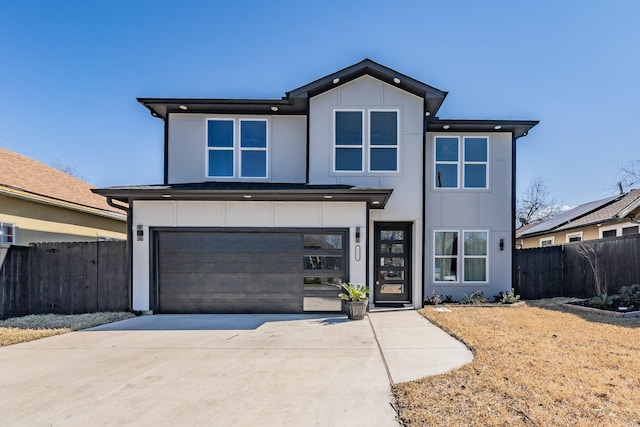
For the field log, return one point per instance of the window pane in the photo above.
(391, 235)
(628, 231)
(547, 242)
(254, 164)
(384, 128)
(475, 176)
(220, 133)
(575, 239)
(609, 233)
(323, 241)
(392, 275)
(475, 149)
(348, 159)
(446, 270)
(446, 243)
(253, 133)
(391, 262)
(446, 149)
(475, 243)
(322, 262)
(348, 127)
(387, 248)
(446, 176)
(220, 163)
(384, 159)
(392, 288)
(475, 269)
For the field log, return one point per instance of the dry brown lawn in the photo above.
(535, 364)
(28, 328)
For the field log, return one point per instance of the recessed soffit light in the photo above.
(396, 80)
(182, 107)
(498, 127)
(247, 196)
(336, 81)
(427, 114)
(166, 196)
(445, 127)
(274, 108)
(328, 196)
(375, 202)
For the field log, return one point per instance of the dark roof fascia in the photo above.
(375, 198)
(435, 97)
(162, 107)
(518, 128)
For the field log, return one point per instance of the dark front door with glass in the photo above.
(392, 282)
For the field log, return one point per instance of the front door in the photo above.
(392, 282)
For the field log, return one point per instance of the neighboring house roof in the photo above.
(296, 101)
(26, 178)
(375, 197)
(597, 212)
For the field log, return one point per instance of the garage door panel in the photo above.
(232, 262)
(229, 272)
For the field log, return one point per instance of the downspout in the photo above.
(424, 204)
(513, 212)
(129, 211)
(166, 150)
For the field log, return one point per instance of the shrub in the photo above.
(630, 295)
(603, 301)
(475, 298)
(433, 299)
(509, 297)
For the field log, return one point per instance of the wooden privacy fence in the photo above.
(64, 278)
(570, 270)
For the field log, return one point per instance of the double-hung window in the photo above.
(368, 137)
(7, 233)
(451, 263)
(237, 148)
(452, 168)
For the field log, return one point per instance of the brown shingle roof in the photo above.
(29, 175)
(606, 213)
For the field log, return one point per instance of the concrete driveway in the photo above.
(227, 370)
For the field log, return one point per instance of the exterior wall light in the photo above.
(139, 233)
(502, 244)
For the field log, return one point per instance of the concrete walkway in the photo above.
(227, 370)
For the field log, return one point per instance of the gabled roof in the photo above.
(296, 101)
(26, 178)
(376, 198)
(593, 213)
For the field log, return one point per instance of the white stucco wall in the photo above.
(151, 214)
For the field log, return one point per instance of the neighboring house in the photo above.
(268, 204)
(39, 203)
(610, 217)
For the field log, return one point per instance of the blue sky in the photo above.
(70, 71)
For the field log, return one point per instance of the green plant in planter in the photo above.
(476, 297)
(355, 300)
(509, 297)
(433, 299)
(630, 295)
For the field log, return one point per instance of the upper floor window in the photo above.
(7, 233)
(232, 153)
(370, 139)
(451, 168)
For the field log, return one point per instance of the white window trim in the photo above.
(236, 148)
(552, 239)
(375, 147)
(13, 233)
(448, 162)
(460, 257)
(336, 146)
(241, 150)
(571, 235)
(463, 257)
(463, 162)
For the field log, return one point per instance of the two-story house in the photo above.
(267, 204)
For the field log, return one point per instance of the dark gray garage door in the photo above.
(228, 272)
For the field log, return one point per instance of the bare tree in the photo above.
(69, 170)
(629, 175)
(536, 203)
(590, 254)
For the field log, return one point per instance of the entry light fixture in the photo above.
(357, 234)
(396, 80)
(182, 107)
(502, 244)
(139, 232)
(445, 127)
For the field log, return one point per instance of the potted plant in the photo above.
(354, 300)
